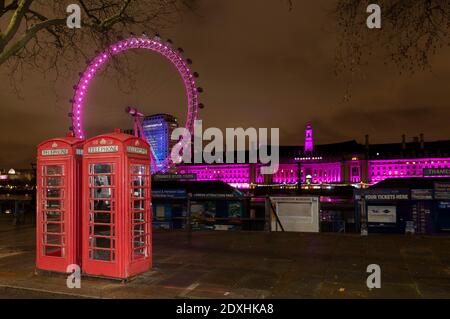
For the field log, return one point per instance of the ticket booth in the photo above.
(116, 206)
(58, 239)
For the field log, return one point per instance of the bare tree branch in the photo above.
(412, 32)
(37, 35)
(15, 22)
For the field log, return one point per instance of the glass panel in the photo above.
(138, 181)
(102, 255)
(138, 170)
(138, 217)
(54, 239)
(138, 242)
(102, 242)
(140, 253)
(101, 205)
(102, 230)
(54, 216)
(54, 170)
(101, 218)
(139, 192)
(53, 251)
(101, 193)
(138, 204)
(54, 228)
(102, 168)
(138, 230)
(55, 193)
(54, 181)
(101, 181)
(54, 204)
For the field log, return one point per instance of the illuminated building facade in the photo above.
(348, 163)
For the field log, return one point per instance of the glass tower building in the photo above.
(158, 129)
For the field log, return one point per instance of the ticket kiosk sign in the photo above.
(58, 204)
(116, 206)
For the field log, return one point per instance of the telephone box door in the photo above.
(140, 217)
(101, 213)
(53, 222)
(58, 204)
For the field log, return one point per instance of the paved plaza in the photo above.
(247, 265)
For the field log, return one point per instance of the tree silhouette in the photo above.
(412, 32)
(34, 32)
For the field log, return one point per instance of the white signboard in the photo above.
(103, 149)
(137, 150)
(382, 214)
(55, 152)
(296, 214)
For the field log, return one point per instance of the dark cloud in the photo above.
(260, 65)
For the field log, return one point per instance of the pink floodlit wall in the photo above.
(322, 172)
(355, 168)
(237, 175)
(380, 170)
(287, 174)
(319, 172)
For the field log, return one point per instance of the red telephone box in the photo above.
(58, 229)
(116, 206)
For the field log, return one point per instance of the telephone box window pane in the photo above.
(102, 242)
(54, 181)
(102, 230)
(54, 216)
(55, 193)
(102, 255)
(54, 239)
(104, 205)
(138, 181)
(54, 170)
(140, 253)
(53, 251)
(139, 242)
(101, 193)
(101, 181)
(138, 170)
(54, 204)
(101, 218)
(139, 204)
(56, 228)
(139, 192)
(139, 230)
(139, 217)
(102, 168)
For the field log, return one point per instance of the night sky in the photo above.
(260, 66)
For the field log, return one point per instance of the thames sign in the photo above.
(436, 172)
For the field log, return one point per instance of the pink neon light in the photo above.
(136, 43)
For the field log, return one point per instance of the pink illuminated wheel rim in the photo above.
(154, 44)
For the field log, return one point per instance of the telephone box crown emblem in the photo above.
(54, 145)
